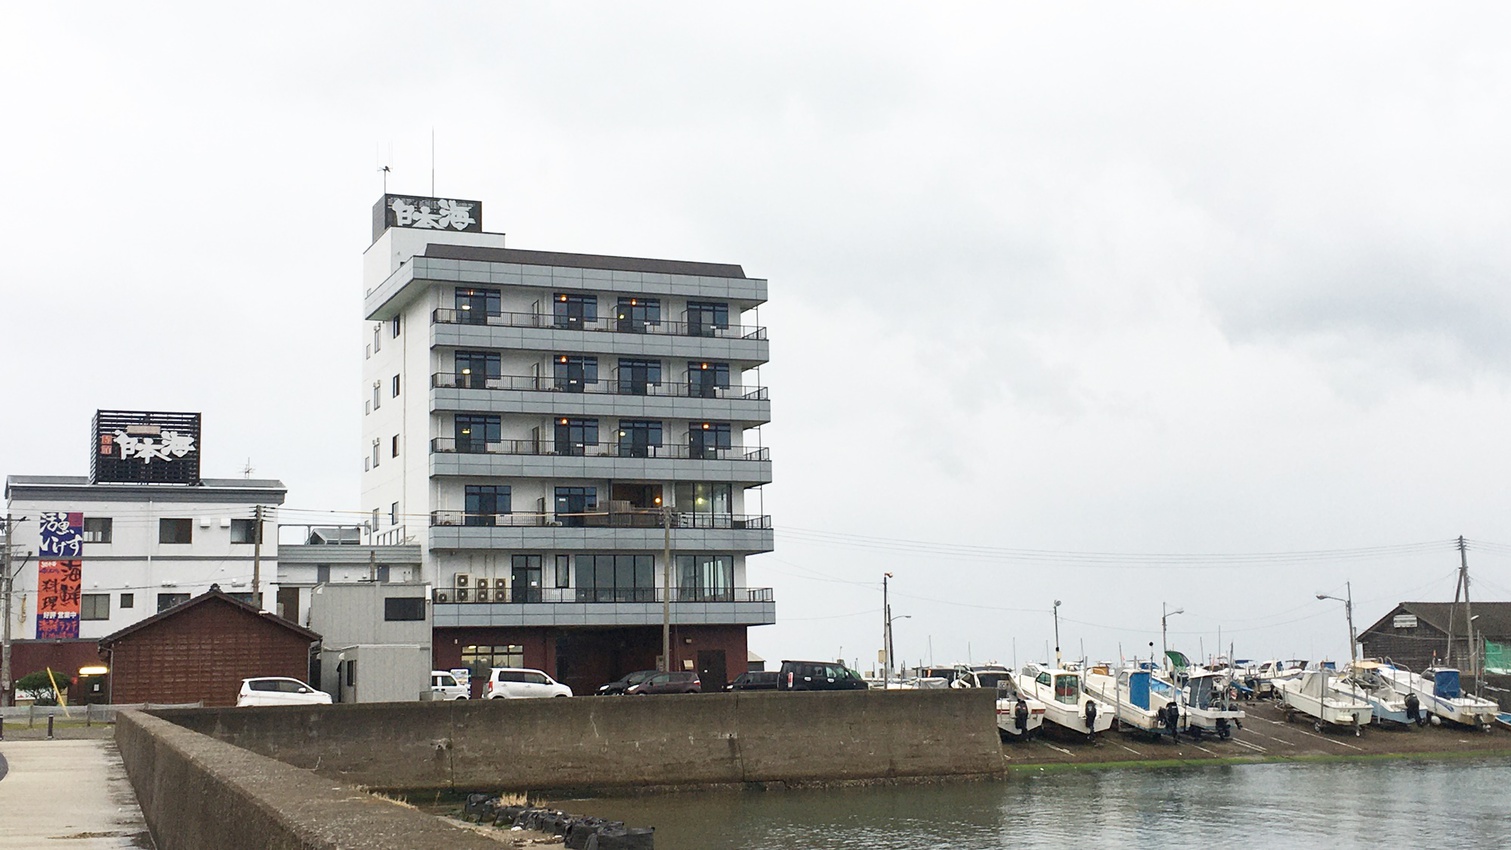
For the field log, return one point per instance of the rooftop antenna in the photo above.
(246, 471)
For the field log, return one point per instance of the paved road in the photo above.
(67, 794)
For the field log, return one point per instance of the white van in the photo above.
(443, 685)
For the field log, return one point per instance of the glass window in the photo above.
(474, 368)
(474, 432)
(168, 600)
(1067, 689)
(705, 317)
(377, 338)
(377, 454)
(322, 573)
(708, 440)
(404, 608)
(377, 395)
(395, 386)
(705, 379)
(637, 315)
(572, 503)
(636, 376)
(484, 502)
(474, 306)
(394, 446)
(393, 513)
(574, 435)
(243, 531)
(703, 578)
(394, 325)
(480, 659)
(616, 578)
(638, 437)
(94, 606)
(573, 309)
(176, 531)
(128, 600)
(704, 498)
(563, 570)
(575, 373)
(97, 529)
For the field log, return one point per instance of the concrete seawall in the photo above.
(197, 792)
(608, 744)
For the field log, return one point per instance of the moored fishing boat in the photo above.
(1439, 691)
(1130, 691)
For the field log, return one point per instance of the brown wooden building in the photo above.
(1415, 634)
(202, 649)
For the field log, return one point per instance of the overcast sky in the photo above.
(1197, 286)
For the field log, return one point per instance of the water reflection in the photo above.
(1338, 806)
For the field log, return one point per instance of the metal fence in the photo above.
(33, 714)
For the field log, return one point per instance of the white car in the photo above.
(274, 690)
(522, 683)
(444, 685)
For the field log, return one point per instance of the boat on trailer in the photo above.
(1439, 691)
(1131, 693)
(1066, 703)
(1210, 704)
(1018, 715)
(1364, 677)
(1314, 696)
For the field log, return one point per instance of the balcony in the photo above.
(528, 331)
(540, 459)
(637, 530)
(707, 330)
(667, 400)
(742, 606)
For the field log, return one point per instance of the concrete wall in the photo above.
(614, 743)
(197, 792)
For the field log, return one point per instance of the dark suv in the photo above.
(756, 680)
(818, 676)
(619, 686)
(667, 683)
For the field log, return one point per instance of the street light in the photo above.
(1057, 633)
(1348, 609)
(1164, 645)
(890, 618)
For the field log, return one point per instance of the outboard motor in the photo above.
(1020, 715)
(1091, 718)
(1172, 719)
(1414, 710)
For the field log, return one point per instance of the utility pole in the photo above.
(7, 587)
(886, 633)
(1468, 612)
(666, 592)
(257, 556)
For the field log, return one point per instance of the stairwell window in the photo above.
(94, 606)
(243, 531)
(175, 531)
(395, 386)
(97, 529)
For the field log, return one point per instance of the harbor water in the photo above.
(1393, 804)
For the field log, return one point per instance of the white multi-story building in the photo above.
(547, 427)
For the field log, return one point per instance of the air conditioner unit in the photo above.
(555, 523)
(463, 594)
(204, 522)
(500, 594)
(443, 596)
(483, 585)
(482, 595)
(463, 580)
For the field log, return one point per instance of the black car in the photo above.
(818, 676)
(675, 682)
(619, 686)
(753, 681)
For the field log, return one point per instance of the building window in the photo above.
(97, 529)
(616, 578)
(128, 600)
(475, 368)
(637, 315)
(393, 514)
(707, 440)
(374, 526)
(394, 448)
(394, 326)
(572, 310)
(377, 395)
(639, 437)
(704, 498)
(244, 531)
(351, 673)
(574, 435)
(395, 386)
(525, 578)
(572, 503)
(377, 338)
(383, 572)
(705, 578)
(636, 377)
(377, 455)
(397, 608)
(94, 606)
(704, 318)
(322, 574)
(704, 380)
(474, 306)
(175, 531)
(563, 570)
(480, 659)
(474, 432)
(168, 600)
(484, 502)
(574, 374)
(249, 598)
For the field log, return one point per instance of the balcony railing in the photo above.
(493, 593)
(451, 381)
(449, 445)
(602, 519)
(446, 316)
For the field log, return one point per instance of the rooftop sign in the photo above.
(420, 213)
(141, 447)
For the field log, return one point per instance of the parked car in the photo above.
(818, 676)
(444, 685)
(622, 684)
(755, 680)
(668, 683)
(275, 690)
(522, 683)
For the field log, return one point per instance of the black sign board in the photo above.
(140, 447)
(420, 213)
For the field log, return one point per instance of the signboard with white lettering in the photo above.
(1404, 621)
(145, 447)
(420, 213)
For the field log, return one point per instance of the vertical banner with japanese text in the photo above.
(59, 574)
